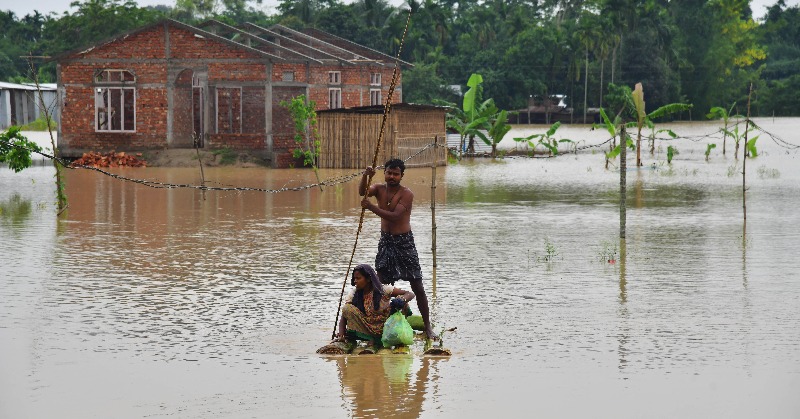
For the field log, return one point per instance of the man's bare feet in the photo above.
(431, 335)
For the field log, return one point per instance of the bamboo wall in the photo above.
(348, 139)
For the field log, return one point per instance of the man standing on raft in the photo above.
(397, 255)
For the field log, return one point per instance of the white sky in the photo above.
(21, 7)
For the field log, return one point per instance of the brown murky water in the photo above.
(144, 302)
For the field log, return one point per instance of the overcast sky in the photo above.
(22, 7)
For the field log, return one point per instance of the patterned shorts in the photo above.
(397, 258)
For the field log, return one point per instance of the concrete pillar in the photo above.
(170, 85)
(268, 113)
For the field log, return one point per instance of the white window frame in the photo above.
(375, 97)
(334, 77)
(216, 109)
(334, 98)
(375, 79)
(106, 85)
(288, 76)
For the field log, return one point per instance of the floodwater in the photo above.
(143, 302)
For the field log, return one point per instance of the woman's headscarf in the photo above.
(377, 287)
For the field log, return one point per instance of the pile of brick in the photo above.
(112, 159)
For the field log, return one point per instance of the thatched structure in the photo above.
(348, 136)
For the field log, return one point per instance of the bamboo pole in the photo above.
(433, 218)
(623, 145)
(386, 111)
(744, 157)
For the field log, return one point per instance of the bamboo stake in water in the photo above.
(744, 157)
(433, 216)
(623, 145)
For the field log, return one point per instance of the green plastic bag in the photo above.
(397, 331)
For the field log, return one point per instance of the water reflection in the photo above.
(215, 287)
(15, 210)
(624, 330)
(382, 386)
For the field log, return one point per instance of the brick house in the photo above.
(169, 84)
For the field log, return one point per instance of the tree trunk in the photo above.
(613, 61)
(602, 67)
(586, 85)
(638, 148)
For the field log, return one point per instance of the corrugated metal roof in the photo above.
(378, 109)
(17, 86)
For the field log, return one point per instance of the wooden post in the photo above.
(623, 146)
(433, 215)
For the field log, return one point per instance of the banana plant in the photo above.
(611, 127)
(644, 119)
(709, 148)
(546, 140)
(739, 136)
(671, 152)
(499, 128)
(719, 112)
(474, 117)
(751, 147)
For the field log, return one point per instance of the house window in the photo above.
(229, 110)
(375, 97)
(334, 77)
(288, 76)
(375, 79)
(334, 98)
(115, 101)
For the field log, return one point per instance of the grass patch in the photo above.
(39, 125)
(226, 155)
(765, 173)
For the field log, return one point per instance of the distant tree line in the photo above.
(704, 52)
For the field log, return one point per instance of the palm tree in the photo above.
(587, 35)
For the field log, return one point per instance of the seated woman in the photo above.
(368, 306)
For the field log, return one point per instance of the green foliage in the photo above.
(306, 136)
(422, 85)
(546, 140)
(16, 149)
(781, 73)
(721, 113)
(751, 147)
(738, 135)
(619, 99)
(671, 152)
(614, 153)
(780, 97)
(477, 118)
(469, 104)
(609, 251)
(498, 129)
(226, 155)
(703, 52)
(550, 251)
(709, 147)
(15, 209)
(40, 124)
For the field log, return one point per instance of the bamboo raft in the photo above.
(353, 348)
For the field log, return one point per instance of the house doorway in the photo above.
(198, 114)
(188, 113)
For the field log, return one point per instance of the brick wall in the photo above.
(227, 67)
(283, 126)
(298, 69)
